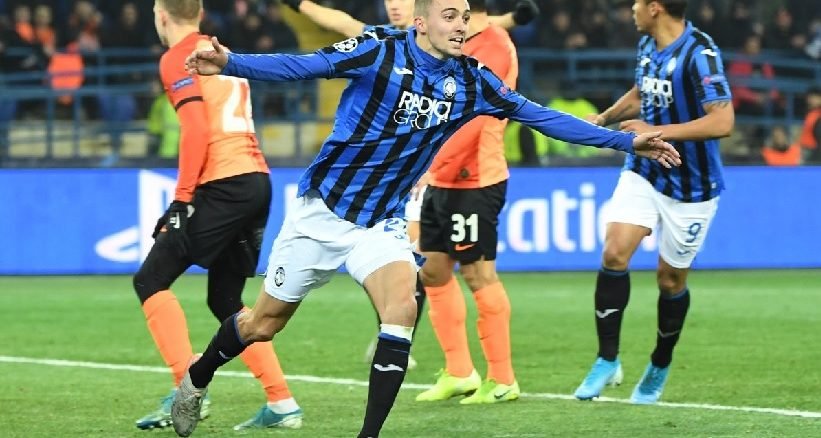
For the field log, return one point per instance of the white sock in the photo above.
(284, 406)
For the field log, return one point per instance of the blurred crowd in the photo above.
(755, 30)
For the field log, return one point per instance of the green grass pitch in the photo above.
(751, 340)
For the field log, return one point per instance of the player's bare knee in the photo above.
(400, 311)
(671, 281)
(434, 277)
(477, 278)
(615, 258)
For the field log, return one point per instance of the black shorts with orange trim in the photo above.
(462, 222)
(230, 215)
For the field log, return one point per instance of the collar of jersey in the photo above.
(688, 28)
(426, 61)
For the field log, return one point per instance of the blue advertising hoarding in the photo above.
(99, 221)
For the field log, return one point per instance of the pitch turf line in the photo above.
(352, 382)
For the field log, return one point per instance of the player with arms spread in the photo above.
(681, 91)
(389, 126)
(217, 218)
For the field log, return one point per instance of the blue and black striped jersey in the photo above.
(675, 84)
(400, 105)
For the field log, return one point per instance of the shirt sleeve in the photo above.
(499, 100)
(185, 94)
(346, 59)
(707, 74)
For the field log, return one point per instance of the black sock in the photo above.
(224, 346)
(672, 310)
(420, 296)
(390, 362)
(612, 295)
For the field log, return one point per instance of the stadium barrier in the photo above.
(99, 221)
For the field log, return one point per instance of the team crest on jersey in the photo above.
(279, 276)
(346, 46)
(449, 88)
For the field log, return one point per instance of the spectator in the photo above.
(748, 99)
(707, 20)
(622, 33)
(162, 125)
(83, 27)
(783, 34)
(563, 33)
(282, 36)
(739, 25)
(779, 152)
(810, 138)
(44, 32)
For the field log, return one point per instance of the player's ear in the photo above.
(420, 25)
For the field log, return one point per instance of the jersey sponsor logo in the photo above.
(421, 112)
(402, 71)
(182, 83)
(346, 46)
(449, 87)
(657, 92)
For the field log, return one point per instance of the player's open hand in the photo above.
(207, 62)
(650, 145)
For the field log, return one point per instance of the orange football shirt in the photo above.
(217, 137)
(474, 156)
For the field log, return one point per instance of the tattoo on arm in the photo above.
(618, 116)
(718, 104)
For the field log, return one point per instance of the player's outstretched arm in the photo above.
(328, 18)
(626, 108)
(524, 12)
(716, 123)
(651, 145)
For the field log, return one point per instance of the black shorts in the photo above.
(229, 217)
(462, 222)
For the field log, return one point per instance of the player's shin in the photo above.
(672, 310)
(390, 363)
(224, 346)
(612, 295)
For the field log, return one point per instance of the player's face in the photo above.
(445, 27)
(400, 12)
(643, 13)
(160, 19)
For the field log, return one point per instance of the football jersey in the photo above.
(217, 132)
(675, 84)
(399, 107)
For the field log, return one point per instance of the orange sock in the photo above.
(262, 360)
(494, 331)
(447, 315)
(166, 322)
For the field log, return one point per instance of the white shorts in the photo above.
(413, 209)
(314, 243)
(684, 225)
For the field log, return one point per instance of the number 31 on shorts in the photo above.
(462, 226)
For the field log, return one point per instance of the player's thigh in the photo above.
(630, 215)
(311, 245)
(684, 228)
(222, 209)
(471, 218)
(437, 269)
(391, 289)
(384, 243)
(432, 225)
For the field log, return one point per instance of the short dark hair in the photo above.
(674, 8)
(478, 5)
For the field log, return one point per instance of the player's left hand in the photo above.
(650, 145)
(637, 126)
(525, 11)
(176, 225)
(207, 62)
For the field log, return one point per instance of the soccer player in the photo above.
(408, 92)
(681, 91)
(460, 214)
(400, 15)
(216, 220)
